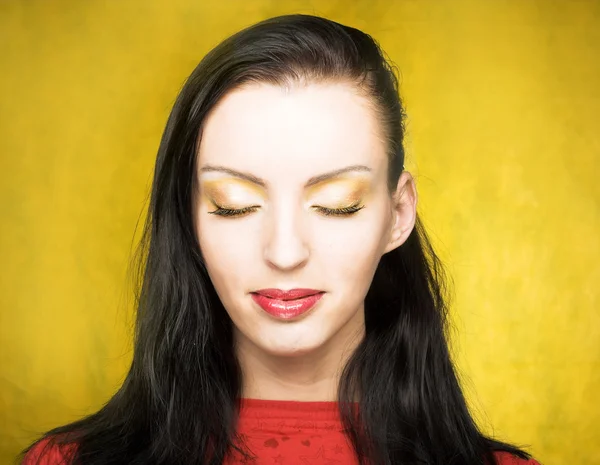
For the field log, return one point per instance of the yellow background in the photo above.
(503, 99)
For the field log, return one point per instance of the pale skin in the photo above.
(271, 155)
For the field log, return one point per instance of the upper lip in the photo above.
(292, 294)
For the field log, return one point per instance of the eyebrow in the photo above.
(311, 182)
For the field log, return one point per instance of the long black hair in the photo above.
(180, 399)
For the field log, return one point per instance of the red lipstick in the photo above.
(286, 304)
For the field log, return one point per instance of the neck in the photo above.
(311, 376)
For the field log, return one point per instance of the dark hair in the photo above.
(415, 412)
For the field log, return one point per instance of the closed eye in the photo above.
(223, 211)
(345, 211)
(236, 212)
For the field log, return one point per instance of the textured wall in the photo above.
(503, 100)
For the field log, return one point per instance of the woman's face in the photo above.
(271, 166)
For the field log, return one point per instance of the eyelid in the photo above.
(222, 192)
(232, 207)
(233, 212)
(341, 211)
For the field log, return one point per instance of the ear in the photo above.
(404, 211)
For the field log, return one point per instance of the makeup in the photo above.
(344, 194)
(232, 193)
(232, 187)
(339, 196)
(286, 305)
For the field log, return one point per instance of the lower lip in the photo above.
(286, 309)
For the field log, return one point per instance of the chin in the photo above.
(292, 350)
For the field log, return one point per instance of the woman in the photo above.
(292, 309)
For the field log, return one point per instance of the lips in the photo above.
(286, 305)
(292, 294)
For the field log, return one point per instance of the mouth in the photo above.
(292, 294)
(286, 305)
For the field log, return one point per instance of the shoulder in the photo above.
(48, 452)
(506, 458)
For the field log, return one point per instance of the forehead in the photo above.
(300, 132)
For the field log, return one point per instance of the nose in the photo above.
(286, 247)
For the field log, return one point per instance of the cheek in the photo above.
(228, 255)
(362, 238)
(349, 251)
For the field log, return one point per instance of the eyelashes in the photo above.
(339, 212)
(222, 211)
(346, 211)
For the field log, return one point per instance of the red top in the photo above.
(287, 433)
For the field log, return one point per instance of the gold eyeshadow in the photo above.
(339, 193)
(232, 192)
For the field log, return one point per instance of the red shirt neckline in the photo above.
(284, 409)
